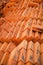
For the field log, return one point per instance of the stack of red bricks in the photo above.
(21, 33)
(26, 53)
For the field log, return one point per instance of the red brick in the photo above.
(37, 46)
(1, 54)
(0, 44)
(42, 59)
(12, 29)
(8, 37)
(34, 22)
(24, 4)
(12, 23)
(23, 25)
(4, 46)
(38, 1)
(41, 47)
(38, 21)
(4, 58)
(22, 56)
(13, 57)
(25, 12)
(23, 44)
(16, 31)
(2, 26)
(20, 63)
(1, 22)
(31, 35)
(37, 28)
(29, 57)
(29, 63)
(31, 46)
(37, 36)
(33, 4)
(25, 34)
(7, 27)
(28, 24)
(29, 12)
(10, 47)
(2, 38)
(42, 37)
(37, 53)
(18, 37)
(1, 34)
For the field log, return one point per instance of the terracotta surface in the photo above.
(21, 32)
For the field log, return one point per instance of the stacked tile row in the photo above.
(27, 53)
(5, 50)
(17, 31)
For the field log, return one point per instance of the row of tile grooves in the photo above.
(27, 34)
(5, 50)
(27, 53)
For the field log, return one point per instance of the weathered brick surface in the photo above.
(21, 32)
